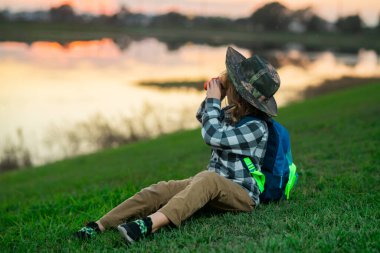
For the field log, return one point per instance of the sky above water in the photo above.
(369, 10)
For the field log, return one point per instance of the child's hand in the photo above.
(214, 88)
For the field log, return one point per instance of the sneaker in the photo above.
(88, 232)
(135, 230)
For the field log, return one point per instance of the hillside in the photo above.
(335, 207)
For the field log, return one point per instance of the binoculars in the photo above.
(205, 83)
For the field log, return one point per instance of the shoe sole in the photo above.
(124, 234)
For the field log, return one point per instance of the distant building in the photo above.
(296, 27)
(137, 19)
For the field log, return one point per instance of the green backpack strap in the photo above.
(257, 175)
(292, 179)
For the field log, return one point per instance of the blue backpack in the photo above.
(278, 174)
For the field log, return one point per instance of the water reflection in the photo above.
(319, 68)
(47, 85)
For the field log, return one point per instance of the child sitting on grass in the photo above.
(249, 84)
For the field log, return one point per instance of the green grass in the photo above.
(335, 207)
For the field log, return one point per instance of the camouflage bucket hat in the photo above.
(255, 80)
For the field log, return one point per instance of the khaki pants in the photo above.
(179, 199)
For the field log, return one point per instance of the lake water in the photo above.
(53, 94)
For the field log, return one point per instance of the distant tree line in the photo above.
(270, 17)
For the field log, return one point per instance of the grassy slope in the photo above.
(335, 207)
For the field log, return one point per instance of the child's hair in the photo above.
(240, 106)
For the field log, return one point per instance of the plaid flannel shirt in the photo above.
(231, 144)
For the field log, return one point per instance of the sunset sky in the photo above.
(329, 9)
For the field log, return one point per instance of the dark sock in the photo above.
(148, 222)
(89, 231)
(93, 225)
(145, 225)
(140, 228)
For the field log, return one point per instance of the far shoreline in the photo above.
(176, 37)
(329, 85)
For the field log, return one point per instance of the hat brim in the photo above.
(233, 59)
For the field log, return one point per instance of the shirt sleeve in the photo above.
(201, 110)
(239, 140)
